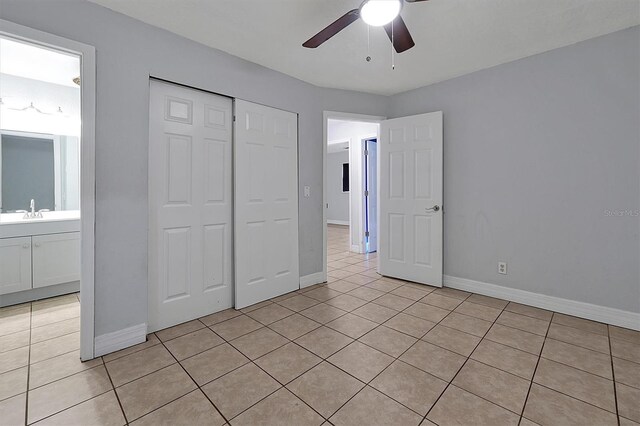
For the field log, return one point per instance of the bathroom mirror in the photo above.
(39, 128)
(39, 167)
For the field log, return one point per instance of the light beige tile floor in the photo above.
(359, 350)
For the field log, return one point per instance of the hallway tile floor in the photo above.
(359, 350)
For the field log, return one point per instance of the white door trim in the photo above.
(326, 115)
(87, 167)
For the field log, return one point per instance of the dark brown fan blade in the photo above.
(332, 29)
(400, 37)
(413, 1)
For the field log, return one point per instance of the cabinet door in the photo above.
(15, 264)
(56, 259)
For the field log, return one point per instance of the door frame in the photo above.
(87, 168)
(365, 177)
(335, 115)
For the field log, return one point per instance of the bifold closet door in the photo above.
(190, 204)
(266, 203)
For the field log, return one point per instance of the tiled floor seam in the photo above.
(533, 374)
(26, 396)
(462, 366)
(194, 381)
(50, 357)
(56, 322)
(613, 376)
(51, 338)
(384, 369)
(113, 388)
(65, 377)
(70, 406)
(229, 372)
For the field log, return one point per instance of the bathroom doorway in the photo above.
(47, 186)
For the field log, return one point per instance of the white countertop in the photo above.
(15, 225)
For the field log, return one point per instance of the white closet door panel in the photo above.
(410, 201)
(266, 203)
(190, 202)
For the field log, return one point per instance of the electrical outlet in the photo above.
(502, 268)
(307, 191)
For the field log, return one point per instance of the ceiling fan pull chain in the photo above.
(368, 45)
(393, 62)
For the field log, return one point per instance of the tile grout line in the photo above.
(368, 384)
(198, 387)
(28, 388)
(462, 366)
(281, 386)
(113, 387)
(540, 353)
(613, 375)
(535, 369)
(26, 395)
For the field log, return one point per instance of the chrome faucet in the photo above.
(32, 214)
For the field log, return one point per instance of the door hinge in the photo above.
(366, 234)
(366, 152)
(234, 118)
(366, 193)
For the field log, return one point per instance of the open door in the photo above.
(410, 201)
(266, 203)
(371, 195)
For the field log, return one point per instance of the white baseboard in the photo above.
(356, 248)
(565, 306)
(311, 279)
(111, 342)
(338, 222)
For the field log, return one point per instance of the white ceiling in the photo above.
(38, 63)
(453, 37)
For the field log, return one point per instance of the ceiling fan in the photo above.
(376, 13)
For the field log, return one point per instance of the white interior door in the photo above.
(190, 202)
(372, 194)
(410, 203)
(266, 203)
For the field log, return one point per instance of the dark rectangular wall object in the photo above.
(345, 177)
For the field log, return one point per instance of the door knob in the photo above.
(26, 246)
(434, 208)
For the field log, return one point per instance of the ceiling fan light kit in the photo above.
(380, 12)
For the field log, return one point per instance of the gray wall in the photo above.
(127, 52)
(337, 200)
(536, 152)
